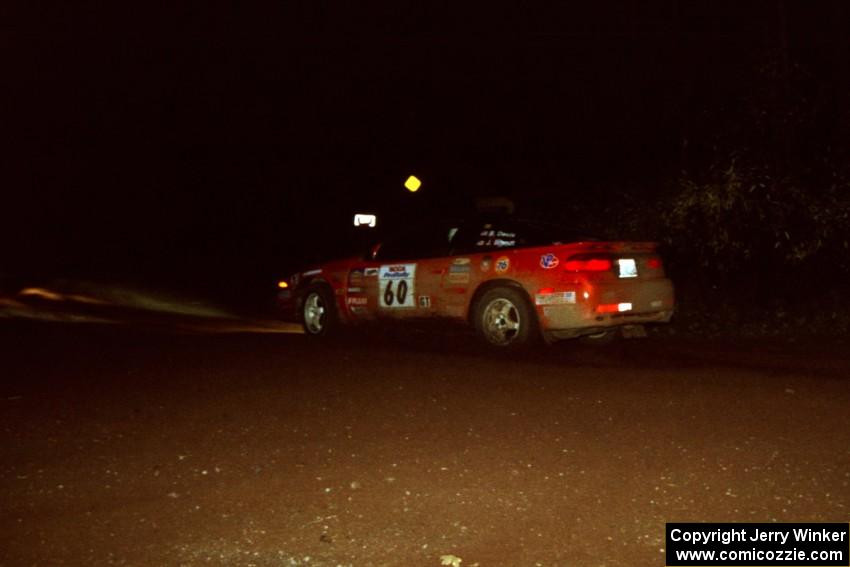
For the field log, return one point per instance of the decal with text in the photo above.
(459, 273)
(396, 286)
(558, 298)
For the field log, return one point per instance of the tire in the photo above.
(600, 339)
(504, 319)
(318, 313)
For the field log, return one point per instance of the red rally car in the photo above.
(513, 281)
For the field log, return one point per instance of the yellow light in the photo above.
(282, 284)
(413, 184)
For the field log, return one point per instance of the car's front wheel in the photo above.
(318, 312)
(503, 318)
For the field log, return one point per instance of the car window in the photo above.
(430, 241)
(484, 236)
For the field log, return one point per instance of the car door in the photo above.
(409, 275)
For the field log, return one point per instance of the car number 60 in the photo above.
(400, 293)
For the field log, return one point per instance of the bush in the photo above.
(761, 254)
(743, 221)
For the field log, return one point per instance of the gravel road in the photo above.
(127, 446)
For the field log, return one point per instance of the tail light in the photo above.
(654, 263)
(613, 307)
(588, 264)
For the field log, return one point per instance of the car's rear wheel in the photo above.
(503, 318)
(318, 312)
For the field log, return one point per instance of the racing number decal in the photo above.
(398, 297)
(396, 283)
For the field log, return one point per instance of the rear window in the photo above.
(497, 235)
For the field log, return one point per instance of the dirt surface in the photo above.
(123, 446)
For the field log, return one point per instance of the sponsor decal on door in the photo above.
(396, 286)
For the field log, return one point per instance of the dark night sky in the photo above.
(146, 139)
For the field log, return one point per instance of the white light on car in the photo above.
(624, 307)
(361, 219)
(628, 267)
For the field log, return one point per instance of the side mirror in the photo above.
(373, 252)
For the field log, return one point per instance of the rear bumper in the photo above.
(617, 320)
(645, 301)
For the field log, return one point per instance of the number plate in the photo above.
(628, 267)
(396, 286)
